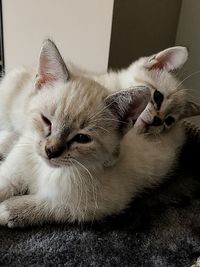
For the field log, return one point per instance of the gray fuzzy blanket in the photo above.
(160, 229)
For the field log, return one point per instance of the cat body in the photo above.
(69, 193)
(77, 155)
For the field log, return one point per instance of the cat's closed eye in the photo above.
(169, 120)
(47, 123)
(45, 120)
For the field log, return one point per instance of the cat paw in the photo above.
(197, 264)
(7, 218)
(4, 215)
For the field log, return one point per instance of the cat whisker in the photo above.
(81, 189)
(93, 183)
(101, 111)
(195, 98)
(80, 182)
(85, 189)
(76, 188)
(102, 128)
(186, 78)
(111, 120)
(188, 92)
(97, 133)
(181, 72)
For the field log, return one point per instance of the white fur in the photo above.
(80, 193)
(139, 167)
(4, 215)
(142, 163)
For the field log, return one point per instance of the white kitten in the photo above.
(168, 102)
(78, 157)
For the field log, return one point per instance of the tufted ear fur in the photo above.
(51, 66)
(169, 59)
(127, 105)
(191, 109)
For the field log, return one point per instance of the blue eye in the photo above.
(82, 138)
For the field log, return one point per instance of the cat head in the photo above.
(169, 101)
(76, 120)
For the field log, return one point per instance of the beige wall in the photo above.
(188, 34)
(81, 30)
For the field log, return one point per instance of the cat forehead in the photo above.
(73, 100)
(163, 82)
(169, 87)
(74, 90)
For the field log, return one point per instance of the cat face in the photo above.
(169, 101)
(75, 121)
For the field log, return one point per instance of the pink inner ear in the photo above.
(169, 59)
(162, 61)
(44, 79)
(44, 76)
(158, 65)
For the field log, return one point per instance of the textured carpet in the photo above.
(160, 229)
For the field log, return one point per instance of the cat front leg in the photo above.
(7, 142)
(13, 171)
(10, 185)
(22, 211)
(6, 190)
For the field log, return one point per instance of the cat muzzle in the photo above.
(54, 151)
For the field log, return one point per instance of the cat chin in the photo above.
(154, 130)
(149, 130)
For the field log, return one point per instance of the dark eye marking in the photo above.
(156, 121)
(47, 122)
(82, 138)
(158, 98)
(169, 120)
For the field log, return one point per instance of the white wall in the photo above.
(80, 28)
(188, 34)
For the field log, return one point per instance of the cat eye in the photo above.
(48, 124)
(158, 97)
(169, 120)
(45, 120)
(82, 138)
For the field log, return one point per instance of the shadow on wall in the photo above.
(142, 27)
(188, 34)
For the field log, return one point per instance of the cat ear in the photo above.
(127, 105)
(191, 109)
(51, 65)
(169, 59)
